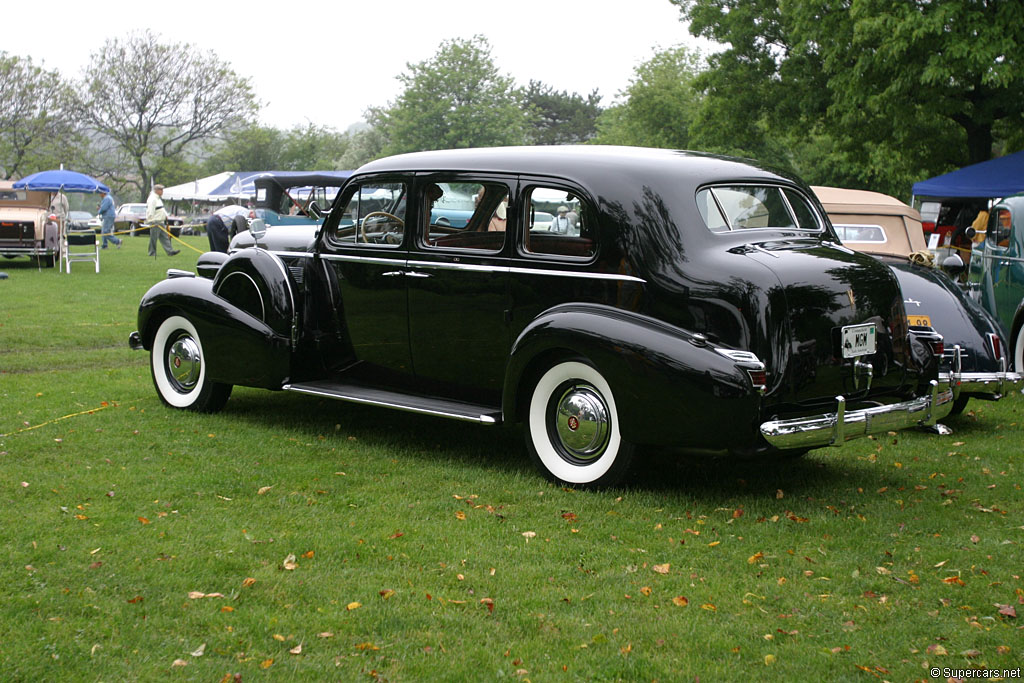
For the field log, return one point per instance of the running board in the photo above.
(375, 396)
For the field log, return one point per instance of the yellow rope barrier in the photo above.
(58, 419)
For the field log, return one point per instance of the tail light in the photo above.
(996, 344)
(751, 364)
(759, 378)
(938, 348)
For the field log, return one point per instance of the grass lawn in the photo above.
(294, 537)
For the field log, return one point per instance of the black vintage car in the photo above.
(696, 301)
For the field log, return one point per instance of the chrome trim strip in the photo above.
(996, 383)
(470, 267)
(576, 273)
(832, 429)
(481, 419)
(348, 258)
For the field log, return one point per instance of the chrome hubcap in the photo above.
(582, 425)
(184, 363)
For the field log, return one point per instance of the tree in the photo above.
(38, 126)
(253, 148)
(660, 103)
(148, 101)
(455, 99)
(889, 91)
(561, 118)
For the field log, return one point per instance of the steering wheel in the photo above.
(393, 217)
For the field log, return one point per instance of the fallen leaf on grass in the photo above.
(308, 555)
(680, 601)
(386, 593)
(529, 534)
(199, 651)
(646, 590)
(325, 634)
(709, 607)
(353, 605)
(937, 650)
(263, 490)
(199, 595)
(756, 557)
(297, 650)
(143, 520)
(954, 579)
(489, 602)
(366, 646)
(248, 582)
(661, 568)
(1007, 611)
(460, 515)
(179, 662)
(266, 663)
(289, 562)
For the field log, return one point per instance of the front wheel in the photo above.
(573, 427)
(179, 369)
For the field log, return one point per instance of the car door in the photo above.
(366, 252)
(457, 280)
(1005, 264)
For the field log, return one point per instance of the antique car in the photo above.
(27, 228)
(705, 304)
(294, 197)
(976, 355)
(996, 276)
(131, 219)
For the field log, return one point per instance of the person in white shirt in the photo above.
(156, 216)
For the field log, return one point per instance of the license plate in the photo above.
(858, 340)
(919, 321)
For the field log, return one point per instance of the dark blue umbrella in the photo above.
(59, 180)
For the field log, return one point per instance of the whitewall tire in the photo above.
(178, 366)
(572, 427)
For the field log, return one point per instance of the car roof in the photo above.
(587, 164)
(902, 223)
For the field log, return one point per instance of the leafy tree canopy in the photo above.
(561, 118)
(147, 101)
(457, 98)
(660, 103)
(882, 92)
(38, 128)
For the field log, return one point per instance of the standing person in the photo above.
(107, 216)
(561, 224)
(156, 216)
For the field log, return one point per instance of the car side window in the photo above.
(464, 215)
(999, 227)
(744, 207)
(374, 215)
(558, 223)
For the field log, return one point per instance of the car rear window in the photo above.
(743, 207)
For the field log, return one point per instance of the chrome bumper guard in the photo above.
(834, 429)
(994, 384)
(135, 341)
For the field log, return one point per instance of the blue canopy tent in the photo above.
(1000, 177)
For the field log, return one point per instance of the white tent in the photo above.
(201, 189)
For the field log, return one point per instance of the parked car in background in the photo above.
(976, 355)
(704, 304)
(131, 219)
(295, 198)
(996, 277)
(82, 220)
(27, 228)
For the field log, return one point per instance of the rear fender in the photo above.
(670, 386)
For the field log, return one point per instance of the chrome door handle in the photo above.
(416, 274)
(392, 273)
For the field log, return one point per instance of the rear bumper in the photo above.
(834, 429)
(987, 385)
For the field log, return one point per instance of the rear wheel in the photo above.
(958, 405)
(1018, 351)
(573, 427)
(179, 369)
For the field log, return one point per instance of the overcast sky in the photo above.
(326, 62)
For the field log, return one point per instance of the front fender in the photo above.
(671, 387)
(240, 349)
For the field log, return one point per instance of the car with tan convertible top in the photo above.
(703, 303)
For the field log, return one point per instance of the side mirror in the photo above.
(953, 266)
(258, 228)
(314, 212)
(970, 232)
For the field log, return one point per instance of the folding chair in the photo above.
(80, 245)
